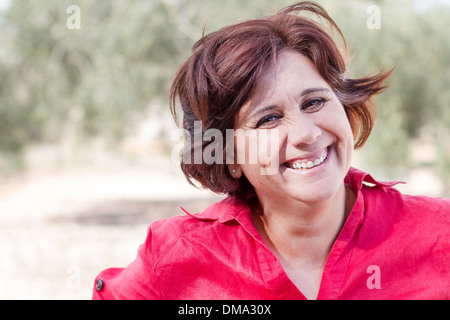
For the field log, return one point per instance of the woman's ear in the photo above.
(231, 160)
(235, 171)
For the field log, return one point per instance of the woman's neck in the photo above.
(303, 231)
(302, 236)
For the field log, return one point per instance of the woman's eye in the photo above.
(267, 119)
(313, 105)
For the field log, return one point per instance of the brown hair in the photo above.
(221, 75)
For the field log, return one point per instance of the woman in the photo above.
(298, 221)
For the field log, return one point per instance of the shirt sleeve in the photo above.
(135, 282)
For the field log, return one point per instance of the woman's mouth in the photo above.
(306, 164)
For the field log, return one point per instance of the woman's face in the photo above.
(299, 132)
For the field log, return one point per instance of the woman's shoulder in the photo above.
(164, 233)
(421, 204)
(172, 243)
(382, 198)
(392, 201)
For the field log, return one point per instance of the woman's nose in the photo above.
(304, 130)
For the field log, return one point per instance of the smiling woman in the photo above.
(226, 66)
(298, 222)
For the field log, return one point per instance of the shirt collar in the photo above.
(229, 208)
(356, 178)
(225, 210)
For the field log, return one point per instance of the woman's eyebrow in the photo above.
(262, 110)
(313, 90)
(303, 93)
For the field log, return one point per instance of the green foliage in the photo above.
(415, 109)
(99, 80)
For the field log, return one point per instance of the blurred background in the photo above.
(86, 136)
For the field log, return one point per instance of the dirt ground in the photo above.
(59, 229)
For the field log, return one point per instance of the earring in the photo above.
(235, 173)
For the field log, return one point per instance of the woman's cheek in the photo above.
(259, 150)
(269, 142)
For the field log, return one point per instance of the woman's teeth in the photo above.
(309, 164)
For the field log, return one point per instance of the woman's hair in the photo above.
(224, 69)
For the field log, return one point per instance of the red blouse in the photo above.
(392, 246)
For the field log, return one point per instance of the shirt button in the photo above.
(99, 284)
